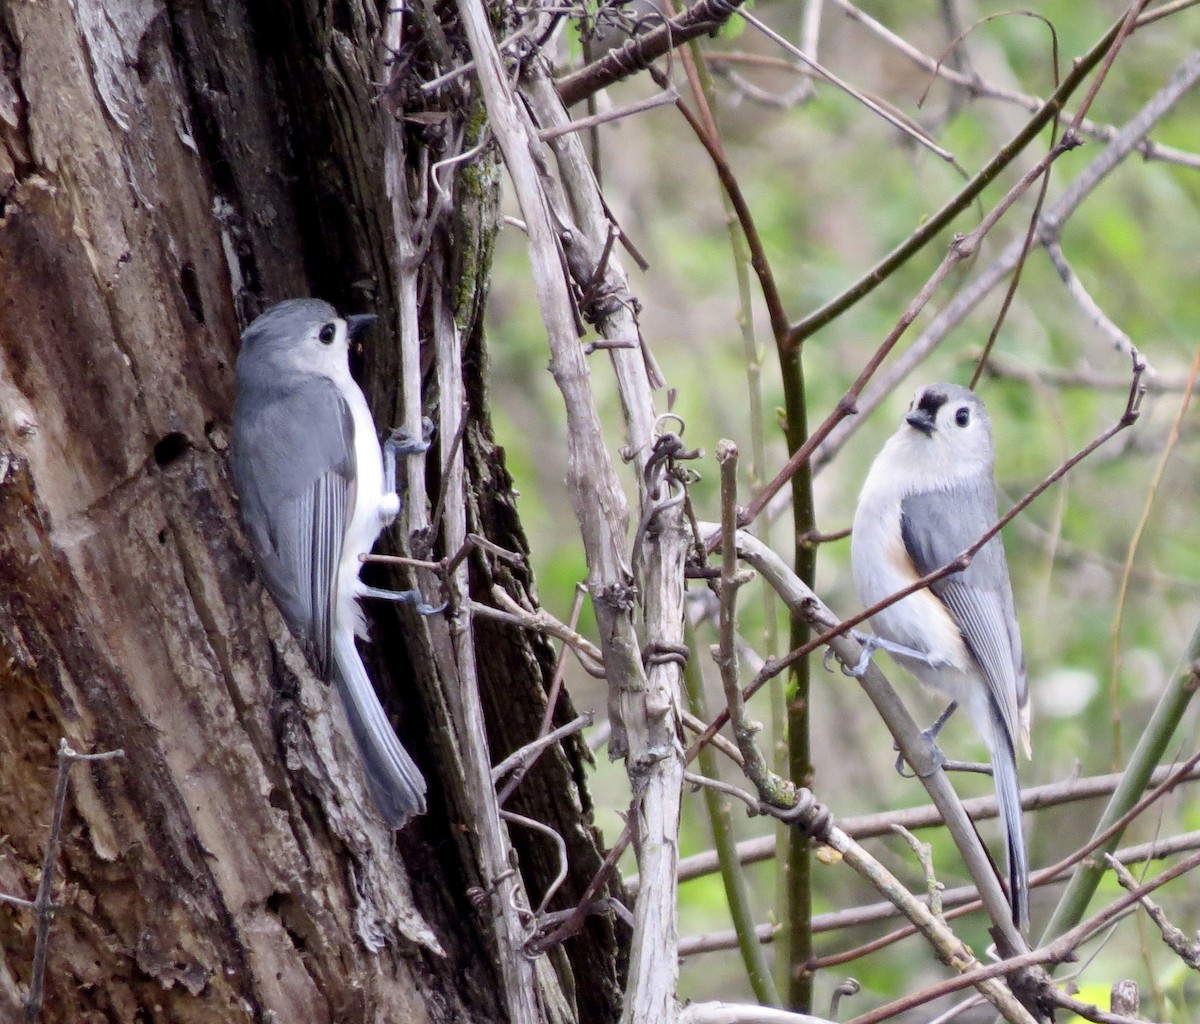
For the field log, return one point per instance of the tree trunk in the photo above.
(167, 172)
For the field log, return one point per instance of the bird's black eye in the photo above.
(327, 334)
(963, 416)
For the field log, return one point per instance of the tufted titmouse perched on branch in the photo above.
(315, 493)
(929, 495)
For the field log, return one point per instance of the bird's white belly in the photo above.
(365, 522)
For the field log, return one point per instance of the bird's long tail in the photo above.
(1008, 797)
(396, 782)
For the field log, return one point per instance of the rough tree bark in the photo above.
(168, 169)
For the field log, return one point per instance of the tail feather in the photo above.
(395, 781)
(1008, 798)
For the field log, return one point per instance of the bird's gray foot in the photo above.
(930, 734)
(400, 442)
(413, 597)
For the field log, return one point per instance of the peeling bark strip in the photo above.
(165, 172)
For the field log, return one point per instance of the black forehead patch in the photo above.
(931, 401)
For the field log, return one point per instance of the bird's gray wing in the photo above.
(293, 463)
(937, 526)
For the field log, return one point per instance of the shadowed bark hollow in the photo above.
(168, 171)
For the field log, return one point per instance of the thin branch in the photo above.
(771, 787)
(1087, 305)
(1081, 856)
(697, 725)
(901, 124)
(542, 621)
(715, 942)
(758, 255)
(737, 889)
(1126, 26)
(1088, 1011)
(964, 899)
(1084, 377)
(974, 85)
(725, 788)
(575, 918)
(523, 757)
(924, 854)
(1166, 10)
(662, 99)
(1186, 949)
(948, 947)
(643, 50)
(43, 904)
(467, 66)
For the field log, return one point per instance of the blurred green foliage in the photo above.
(833, 189)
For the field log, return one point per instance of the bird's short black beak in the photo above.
(922, 420)
(357, 325)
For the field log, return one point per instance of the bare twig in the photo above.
(717, 786)
(733, 878)
(662, 99)
(901, 124)
(43, 905)
(775, 790)
(543, 622)
(523, 757)
(948, 947)
(964, 899)
(1083, 377)
(467, 66)
(641, 51)
(1090, 1012)
(1188, 950)
(1126, 26)
(1124, 805)
(714, 942)
(924, 854)
(974, 85)
(730, 750)
(1164, 11)
(1079, 856)
(574, 919)
(1088, 305)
